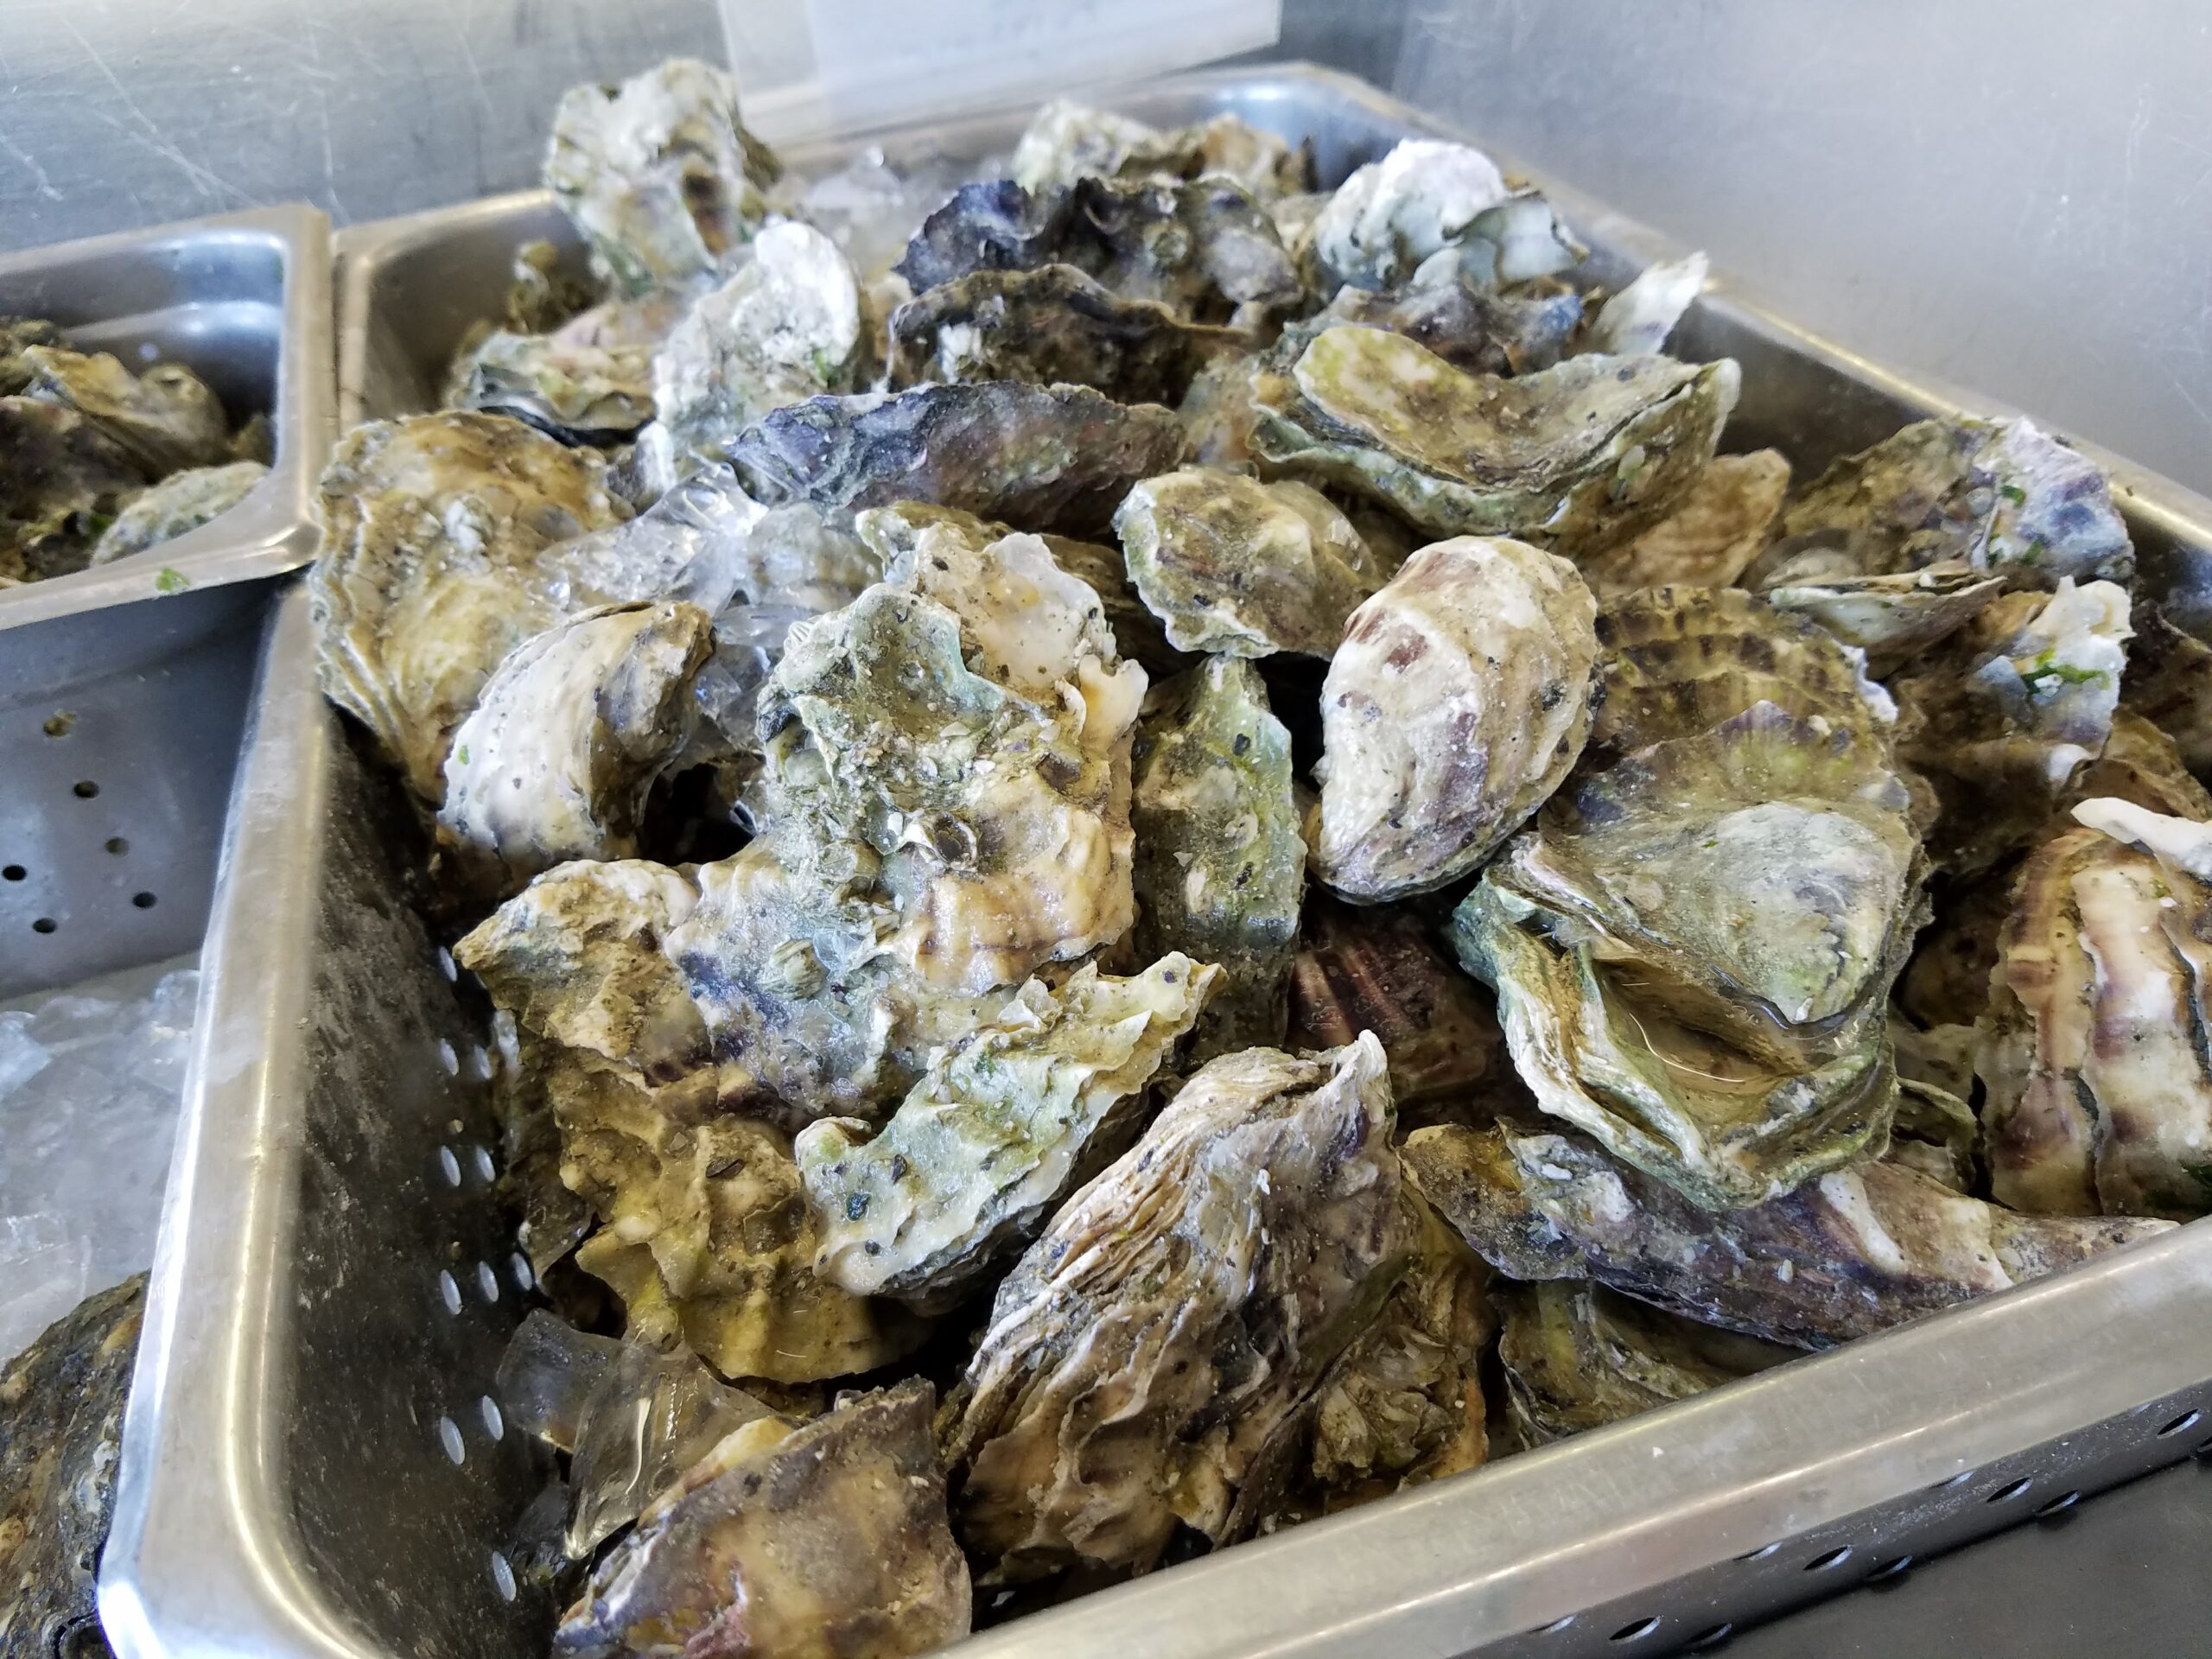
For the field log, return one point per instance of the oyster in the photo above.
(1459, 699)
(1576, 1356)
(1717, 529)
(182, 501)
(1370, 970)
(1854, 1252)
(1220, 863)
(568, 736)
(2098, 1097)
(1218, 416)
(1390, 215)
(997, 1131)
(1051, 324)
(786, 327)
(1582, 454)
(1055, 458)
(432, 527)
(1935, 1132)
(1066, 141)
(165, 419)
(60, 1441)
(1176, 1313)
(826, 1540)
(543, 295)
(1206, 249)
(1893, 619)
(1469, 328)
(567, 384)
(63, 480)
(1692, 954)
(659, 174)
(1639, 318)
(2008, 711)
(2169, 683)
(1245, 568)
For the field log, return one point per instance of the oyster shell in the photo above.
(1057, 458)
(1717, 529)
(1242, 568)
(1390, 215)
(1469, 328)
(2098, 1099)
(182, 501)
(1893, 619)
(826, 1540)
(570, 384)
(786, 327)
(568, 736)
(63, 480)
(60, 1441)
(997, 1131)
(2169, 683)
(1177, 1312)
(1220, 863)
(2008, 711)
(1582, 454)
(165, 419)
(1934, 1132)
(1639, 318)
(1576, 1356)
(659, 174)
(1206, 248)
(1692, 954)
(1218, 416)
(541, 295)
(1066, 141)
(1459, 699)
(432, 528)
(1854, 1252)
(1051, 324)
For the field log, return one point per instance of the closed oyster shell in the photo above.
(1220, 863)
(2097, 1098)
(182, 501)
(60, 1443)
(64, 479)
(1218, 416)
(999, 1128)
(1051, 324)
(1580, 455)
(1576, 1356)
(1717, 529)
(575, 384)
(1468, 327)
(1066, 141)
(1176, 1313)
(1242, 568)
(432, 530)
(1692, 954)
(568, 736)
(1854, 1252)
(1054, 458)
(1639, 318)
(165, 419)
(659, 174)
(786, 327)
(828, 1540)
(1390, 215)
(1891, 618)
(1459, 700)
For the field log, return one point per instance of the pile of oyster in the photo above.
(1112, 859)
(99, 462)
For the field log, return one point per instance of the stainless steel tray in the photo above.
(245, 301)
(310, 1465)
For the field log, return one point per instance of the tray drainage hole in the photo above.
(519, 1265)
(1712, 1638)
(494, 1425)
(84, 789)
(1760, 1553)
(450, 1437)
(2180, 1425)
(1557, 1625)
(2058, 1505)
(447, 1059)
(487, 1283)
(1959, 1479)
(1889, 1570)
(2006, 1494)
(485, 1167)
(117, 845)
(13, 873)
(502, 1577)
(450, 1165)
(44, 925)
(479, 1063)
(1637, 1631)
(144, 900)
(1833, 1559)
(449, 1292)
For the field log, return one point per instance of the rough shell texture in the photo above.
(1177, 1312)
(2098, 1097)
(1390, 215)
(1692, 954)
(1854, 1252)
(1457, 701)
(2169, 683)
(1469, 326)
(63, 479)
(1220, 868)
(1582, 454)
(1050, 458)
(165, 419)
(1246, 568)
(60, 1441)
(1048, 326)
(181, 502)
(1641, 316)
(658, 174)
(569, 734)
(432, 528)
(1717, 529)
(576, 393)
(998, 1128)
(1891, 618)
(1218, 415)
(824, 1541)
(1067, 141)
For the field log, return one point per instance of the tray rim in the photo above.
(1452, 1568)
(273, 529)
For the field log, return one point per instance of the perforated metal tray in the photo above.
(310, 1466)
(242, 300)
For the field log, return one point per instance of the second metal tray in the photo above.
(312, 1463)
